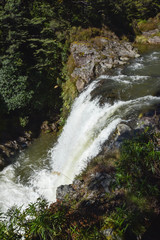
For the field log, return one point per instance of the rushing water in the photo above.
(109, 100)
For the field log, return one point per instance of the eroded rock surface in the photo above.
(97, 56)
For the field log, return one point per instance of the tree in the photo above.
(13, 87)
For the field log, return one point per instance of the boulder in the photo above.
(6, 151)
(123, 128)
(45, 126)
(154, 40)
(111, 148)
(151, 32)
(80, 85)
(2, 162)
(53, 127)
(28, 135)
(63, 191)
(100, 181)
(12, 145)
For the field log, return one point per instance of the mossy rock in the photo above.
(141, 39)
(150, 24)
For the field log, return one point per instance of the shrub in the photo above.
(37, 221)
(138, 168)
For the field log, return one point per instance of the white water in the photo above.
(87, 128)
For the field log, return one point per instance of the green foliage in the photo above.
(138, 168)
(35, 37)
(129, 208)
(31, 56)
(13, 87)
(24, 121)
(126, 219)
(118, 221)
(37, 221)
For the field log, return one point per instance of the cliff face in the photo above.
(90, 58)
(97, 56)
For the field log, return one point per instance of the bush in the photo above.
(37, 221)
(138, 168)
(13, 88)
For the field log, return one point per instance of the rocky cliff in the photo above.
(97, 56)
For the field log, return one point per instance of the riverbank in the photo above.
(21, 138)
(88, 60)
(148, 31)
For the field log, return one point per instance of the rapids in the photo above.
(117, 97)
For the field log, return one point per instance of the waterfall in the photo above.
(89, 125)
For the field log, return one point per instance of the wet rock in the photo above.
(100, 181)
(53, 127)
(123, 128)
(80, 85)
(21, 139)
(151, 119)
(12, 145)
(48, 127)
(45, 126)
(23, 142)
(6, 151)
(10, 148)
(121, 63)
(111, 148)
(28, 135)
(2, 162)
(124, 59)
(126, 52)
(63, 191)
(78, 184)
(9, 144)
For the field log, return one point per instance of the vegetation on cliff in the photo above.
(148, 31)
(125, 212)
(35, 38)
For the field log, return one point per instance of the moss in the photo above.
(70, 65)
(151, 24)
(146, 26)
(99, 43)
(157, 34)
(81, 54)
(69, 93)
(141, 39)
(103, 57)
(80, 34)
(69, 90)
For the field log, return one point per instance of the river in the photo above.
(117, 97)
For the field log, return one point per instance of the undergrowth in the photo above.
(125, 213)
